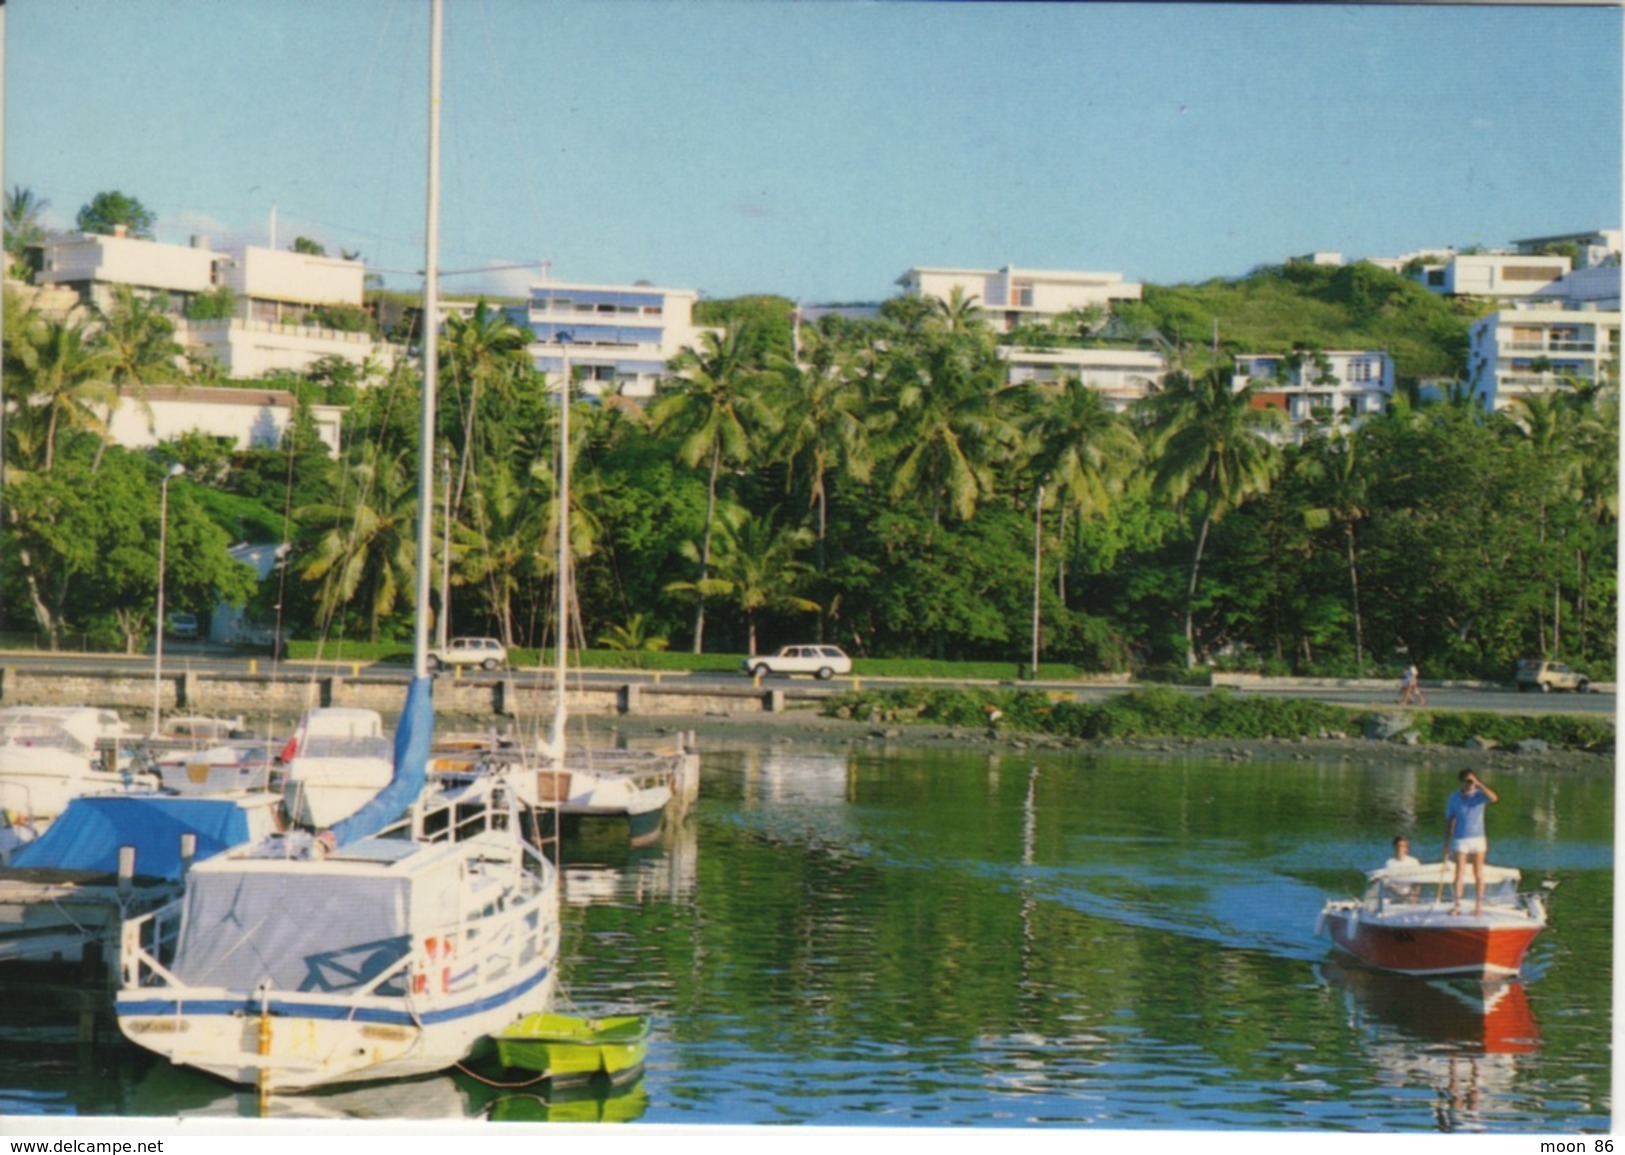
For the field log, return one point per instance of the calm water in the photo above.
(957, 938)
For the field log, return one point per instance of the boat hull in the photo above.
(1448, 945)
(298, 1042)
(572, 1050)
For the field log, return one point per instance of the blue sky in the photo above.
(817, 150)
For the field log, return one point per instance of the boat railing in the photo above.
(147, 945)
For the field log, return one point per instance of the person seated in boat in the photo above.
(1401, 860)
(1464, 836)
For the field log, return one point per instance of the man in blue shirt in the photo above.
(1464, 835)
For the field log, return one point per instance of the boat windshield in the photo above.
(1434, 883)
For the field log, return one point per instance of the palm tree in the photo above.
(24, 224)
(756, 568)
(960, 313)
(1207, 440)
(1336, 467)
(948, 425)
(824, 430)
(1082, 452)
(140, 347)
(716, 409)
(62, 374)
(366, 546)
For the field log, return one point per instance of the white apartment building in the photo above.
(1338, 388)
(1538, 348)
(620, 337)
(1011, 297)
(249, 418)
(1505, 275)
(274, 328)
(93, 265)
(1596, 248)
(1121, 376)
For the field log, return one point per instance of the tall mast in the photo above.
(431, 357)
(557, 737)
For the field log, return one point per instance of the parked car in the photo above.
(486, 653)
(182, 625)
(1539, 674)
(822, 662)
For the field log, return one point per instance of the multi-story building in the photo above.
(278, 323)
(1122, 376)
(1535, 348)
(1593, 249)
(1338, 388)
(620, 336)
(1505, 275)
(1009, 298)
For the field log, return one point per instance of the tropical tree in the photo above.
(364, 548)
(948, 429)
(823, 430)
(1210, 452)
(1081, 453)
(61, 378)
(1333, 468)
(107, 211)
(757, 568)
(139, 344)
(25, 226)
(715, 409)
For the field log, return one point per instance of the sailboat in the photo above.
(386, 946)
(634, 786)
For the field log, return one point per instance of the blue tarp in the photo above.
(413, 737)
(87, 835)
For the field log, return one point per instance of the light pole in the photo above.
(174, 471)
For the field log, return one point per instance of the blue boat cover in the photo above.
(88, 834)
(413, 737)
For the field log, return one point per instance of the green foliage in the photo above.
(108, 210)
(217, 304)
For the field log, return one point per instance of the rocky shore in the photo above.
(805, 727)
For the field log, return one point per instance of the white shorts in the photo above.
(1470, 845)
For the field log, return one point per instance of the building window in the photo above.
(1021, 294)
(1531, 273)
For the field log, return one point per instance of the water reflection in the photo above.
(1463, 1040)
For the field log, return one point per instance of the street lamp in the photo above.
(175, 471)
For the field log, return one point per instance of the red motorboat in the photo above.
(1404, 923)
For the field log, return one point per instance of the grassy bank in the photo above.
(1160, 712)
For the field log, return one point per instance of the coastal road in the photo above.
(179, 658)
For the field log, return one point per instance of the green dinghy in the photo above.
(569, 1048)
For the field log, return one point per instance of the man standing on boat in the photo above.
(1464, 834)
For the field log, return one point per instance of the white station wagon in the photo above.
(821, 662)
(486, 653)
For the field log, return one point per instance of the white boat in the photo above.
(313, 960)
(386, 946)
(1408, 922)
(110, 857)
(51, 754)
(578, 783)
(337, 759)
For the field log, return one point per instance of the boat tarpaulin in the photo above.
(413, 737)
(89, 833)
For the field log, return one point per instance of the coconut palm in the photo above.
(756, 568)
(1209, 447)
(947, 427)
(140, 347)
(716, 409)
(821, 406)
(1334, 466)
(366, 542)
(1081, 452)
(62, 376)
(24, 225)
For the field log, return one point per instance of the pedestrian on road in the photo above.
(1410, 687)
